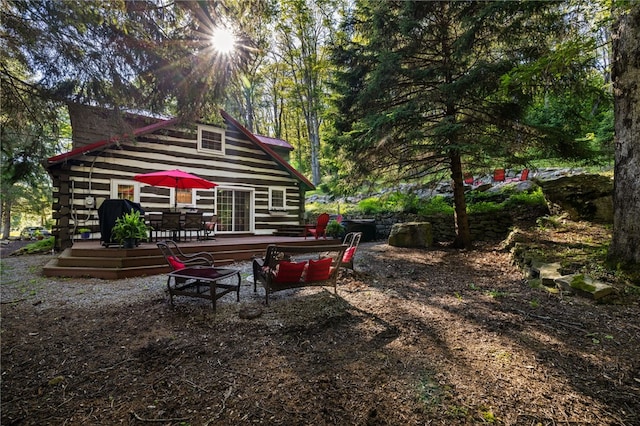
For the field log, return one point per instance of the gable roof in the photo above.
(266, 148)
(262, 142)
(103, 144)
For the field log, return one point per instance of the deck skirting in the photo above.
(90, 259)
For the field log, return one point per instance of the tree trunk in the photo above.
(625, 246)
(5, 213)
(463, 234)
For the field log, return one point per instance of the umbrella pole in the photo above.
(175, 196)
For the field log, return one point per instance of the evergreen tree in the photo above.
(139, 54)
(427, 86)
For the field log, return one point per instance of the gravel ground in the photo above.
(53, 292)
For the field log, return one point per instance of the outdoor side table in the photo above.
(203, 282)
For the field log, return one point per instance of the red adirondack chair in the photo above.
(468, 178)
(523, 176)
(320, 228)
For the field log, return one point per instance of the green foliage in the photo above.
(334, 229)
(397, 202)
(112, 54)
(405, 203)
(531, 198)
(429, 390)
(384, 61)
(370, 206)
(488, 196)
(129, 226)
(546, 222)
(436, 205)
(487, 415)
(577, 127)
(495, 294)
(40, 246)
(483, 207)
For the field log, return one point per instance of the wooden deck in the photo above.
(91, 259)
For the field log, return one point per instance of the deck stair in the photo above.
(90, 259)
(290, 231)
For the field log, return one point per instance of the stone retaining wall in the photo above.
(483, 226)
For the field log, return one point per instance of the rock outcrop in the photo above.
(582, 197)
(411, 234)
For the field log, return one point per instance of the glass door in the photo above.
(234, 210)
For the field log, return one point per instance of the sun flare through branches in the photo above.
(223, 40)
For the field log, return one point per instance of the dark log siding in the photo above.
(244, 166)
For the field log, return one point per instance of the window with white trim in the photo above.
(211, 139)
(184, 197)
(277, 198)
(125, 190)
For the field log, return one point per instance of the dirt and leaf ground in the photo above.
(413, 337)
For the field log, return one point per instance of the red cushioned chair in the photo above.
(351, 241)
(178, 260)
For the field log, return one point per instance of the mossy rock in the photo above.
(585, 286)
(411, 234)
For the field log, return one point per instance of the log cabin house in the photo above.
(257, 190)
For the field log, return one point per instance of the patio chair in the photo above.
(320, 228)
(192, 223)
(286, 267)
(178, 260)
(468, 178)
(498, 175)
(524, 175)
(169, 223)
(210, 228)
(351, 241)
(196, 275)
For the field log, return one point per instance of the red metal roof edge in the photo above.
(107, 142)
(267, 149)
(274, 141)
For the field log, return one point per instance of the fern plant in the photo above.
(129, 227)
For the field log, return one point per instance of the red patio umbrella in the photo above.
(174, 179)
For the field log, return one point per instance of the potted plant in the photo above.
(335, 229)
(85, 233)
(129, 229)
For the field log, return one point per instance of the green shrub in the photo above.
(488, 196)
(40, 246)
(436, 205)
(370, 206)
(484, 207)
(532, 198)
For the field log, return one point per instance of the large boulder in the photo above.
(411, 234)
(582, 197)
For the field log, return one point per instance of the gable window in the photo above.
(211, 139)
(277, 198)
